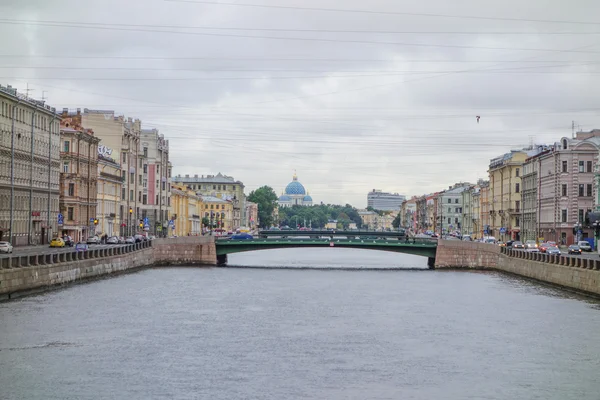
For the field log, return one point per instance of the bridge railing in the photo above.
(575, 262)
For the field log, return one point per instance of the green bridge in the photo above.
(423, 248)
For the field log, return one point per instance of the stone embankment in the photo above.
(575, 273)
(22, 275)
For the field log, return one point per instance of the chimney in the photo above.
(79, 111)
(195, 176)
(187, 176)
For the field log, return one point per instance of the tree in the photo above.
(266, 199)
(205, 222)
(396, 222)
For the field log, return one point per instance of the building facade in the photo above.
(450, 208)
(484, 208)
(251, 215)
(29, 169)
(78, 180)
(186, 210)
(383, 201)
(505, 195)
(155, 179)
(122, 137)
(222, 187)
(566, 188)
(219, 213)
(110, 183)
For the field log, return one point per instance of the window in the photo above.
(163, 186)
(563, 216)
(123, 175)
(456, 201)
(71, 189)
(457, 210)
(156, 201)
(67, 146)
(564, 166)
(456, 220)
(145, 182)
(145, 168)
(580, 215)
(124, 158)
(141, 161)
(132, 178)
(214, 187)
(564, 190)
(581, 189)
(517, 187)
(157, 183)
(589, 166)
(145, 152)
(517, 170)
(212, 206)
(581, 166)
(449, 221)
(222, 207)
(449, 201)
(517, 206)
(140, 197)
(66, 167)
(123, 194)
(589, 190)
(145, 199)
(70, 214)
(131, 198)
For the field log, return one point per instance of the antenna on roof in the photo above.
(28, 90)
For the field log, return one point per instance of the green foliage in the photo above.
(318, 215)
(396, 222)
(266, 199)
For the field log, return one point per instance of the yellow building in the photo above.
(219, 213)
(505, 195)
(110, 183)
(186, 211)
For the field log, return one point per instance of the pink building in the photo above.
(566, 187)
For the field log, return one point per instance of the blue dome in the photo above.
(285, 197)
(295, 187)
(307, 198)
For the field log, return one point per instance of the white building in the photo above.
(383, 201)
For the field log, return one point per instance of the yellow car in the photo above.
(57, 242)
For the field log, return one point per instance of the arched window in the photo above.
(564, 143)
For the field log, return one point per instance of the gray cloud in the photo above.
(404, 121)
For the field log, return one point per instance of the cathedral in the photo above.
(295, 194)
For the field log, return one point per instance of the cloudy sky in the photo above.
(353, 95)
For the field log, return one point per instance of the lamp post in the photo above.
(596, 226)
(129, 225)
(577, 231)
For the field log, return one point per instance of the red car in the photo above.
(544, 246)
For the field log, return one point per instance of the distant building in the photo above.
(295, 195)
(383, 201)
(222, 187)
(251, 215)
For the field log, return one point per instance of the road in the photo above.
(30, 250)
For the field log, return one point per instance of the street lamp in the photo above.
(596, 226)
(130, 215)
(577, 231)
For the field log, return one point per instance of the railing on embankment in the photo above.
(575, 273)
(32, 273)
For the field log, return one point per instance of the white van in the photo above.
(489, 239)
(467, 238)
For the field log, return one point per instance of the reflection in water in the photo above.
(236, 333)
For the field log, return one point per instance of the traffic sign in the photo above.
(61, 219)
(502, 230)
(91, 219)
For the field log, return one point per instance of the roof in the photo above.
(213, 199)
(219, 178)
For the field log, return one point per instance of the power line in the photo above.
(262, 29)
(325, 40)
(411, 14)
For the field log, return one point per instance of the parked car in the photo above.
(574, 249)
(6, 247)
(151, 237)
(584, 245)
(501, 244)
(467, 238)
(531, 244)
(68, 240)
(509, 244)
(553, 250)
(93, 240)
(518, 245)
(57, 242)
(242, 236)
(82, 246)
(112, 240)
(138, 238)
(121, 240)
(532, 250)
(129, 240)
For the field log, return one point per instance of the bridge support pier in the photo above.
(222, 259)
(431, 262)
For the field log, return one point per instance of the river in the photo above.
(290, 333)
